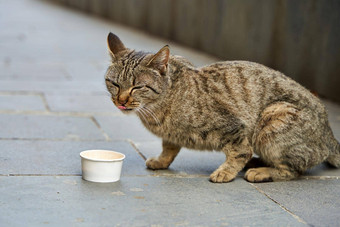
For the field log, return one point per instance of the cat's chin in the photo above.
(125, 110)
(128, 111)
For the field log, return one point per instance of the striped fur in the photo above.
(236, 107)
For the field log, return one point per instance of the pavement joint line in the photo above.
(37, 175)
(57, 114)
(44, 100)
(14, 93)
(67, 75)
(280, 205)
(320, 177)
(136, 148)
(186, 175)
(172, 175)
(94, 120)
(189, 176)
(180, 175)
(63, 139)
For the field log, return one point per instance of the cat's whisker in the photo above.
(152, 114)
(142, 113)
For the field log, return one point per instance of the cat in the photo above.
(237, 107)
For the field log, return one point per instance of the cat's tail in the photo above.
(334, 154)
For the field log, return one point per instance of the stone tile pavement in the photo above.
(53, 104)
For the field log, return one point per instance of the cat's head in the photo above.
(136, 79)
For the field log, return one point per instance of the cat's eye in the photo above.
(136, 88)
(112, 82)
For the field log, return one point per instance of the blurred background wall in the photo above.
(301, 38)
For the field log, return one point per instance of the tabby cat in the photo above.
(236, 107)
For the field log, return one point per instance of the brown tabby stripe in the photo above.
(235, 107)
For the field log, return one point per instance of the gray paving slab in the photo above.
(136, 201)
(21, 102)
(81, 103)
(57, 41)
(60, 157)
(83, 71)
(315, 201)
(125, 127)
(59, 87)
(24, 71)
(337, 133)
(322, 169)
(333, 110)
(61, 54)
(48, 127)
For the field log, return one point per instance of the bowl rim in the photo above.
(81, 154)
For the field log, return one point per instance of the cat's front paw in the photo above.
(154, 164)
(222, 176)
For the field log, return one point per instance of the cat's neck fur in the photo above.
(178, 69)
(177, 66)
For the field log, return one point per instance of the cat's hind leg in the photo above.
(236, 158)
(164, 160)
(286, 141)
(268, 174)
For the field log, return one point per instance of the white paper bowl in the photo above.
(101, 165)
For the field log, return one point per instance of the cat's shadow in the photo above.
(321, 170)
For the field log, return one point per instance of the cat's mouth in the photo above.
(124, 108)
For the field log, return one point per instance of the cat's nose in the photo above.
(122, 101)
(123, 98)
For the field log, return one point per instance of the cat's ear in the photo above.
(160, 60)
(114, 44)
